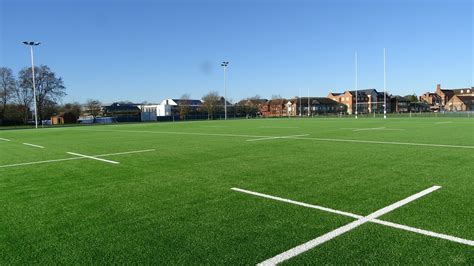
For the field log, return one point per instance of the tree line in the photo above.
(17, 100)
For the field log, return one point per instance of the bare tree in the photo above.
(183, 106)
(24, 99)
(49, 88)
(94, 107)
(7, 89)
(211, 102)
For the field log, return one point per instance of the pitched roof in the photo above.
(468, 100)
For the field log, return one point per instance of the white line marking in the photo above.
(356, 216)
(363, 129)
(426, 232)
(4, 139)
(92, 157)
(388, 143)
(297, 203)
(122, 153)
(276, 127)
(40, 162)
(73, 158)
(279, 137)
(447, 122)
(214, 126)
(300, 138)
(33, 145)
(343, 229)
(378, 129)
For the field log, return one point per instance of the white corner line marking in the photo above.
(4, 139)
(343, 229)
(92, 157)
(33, 145)
(73, 158)
(279, 137)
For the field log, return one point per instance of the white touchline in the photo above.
(356, 216)
(278, 137)
(343, 229)
(74, 158)
(300, 138)
(33, 145)
(92, 157)
(4, 139)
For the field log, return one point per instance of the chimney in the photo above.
(438, 87)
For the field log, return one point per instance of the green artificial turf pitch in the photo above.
(174, 204)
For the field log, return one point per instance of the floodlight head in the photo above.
(32, 43)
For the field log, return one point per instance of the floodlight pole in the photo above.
(224, 65)
(356, 81)
(385, 88)
(31, 44)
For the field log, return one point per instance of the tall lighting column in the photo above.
(224, 65)
(31, 44)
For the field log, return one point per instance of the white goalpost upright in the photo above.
(384, 87)
(356, 81)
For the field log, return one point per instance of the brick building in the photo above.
(440, 98)
(368, 101)
(460, 103)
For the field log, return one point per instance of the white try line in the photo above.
(4, 139)
(33, 145)
(73, 158)
(300, 138)
(373, 220)
(92, 157)
(279, 137)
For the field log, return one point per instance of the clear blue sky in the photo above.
(152, 50)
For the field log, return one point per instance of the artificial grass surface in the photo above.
(174, 205)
